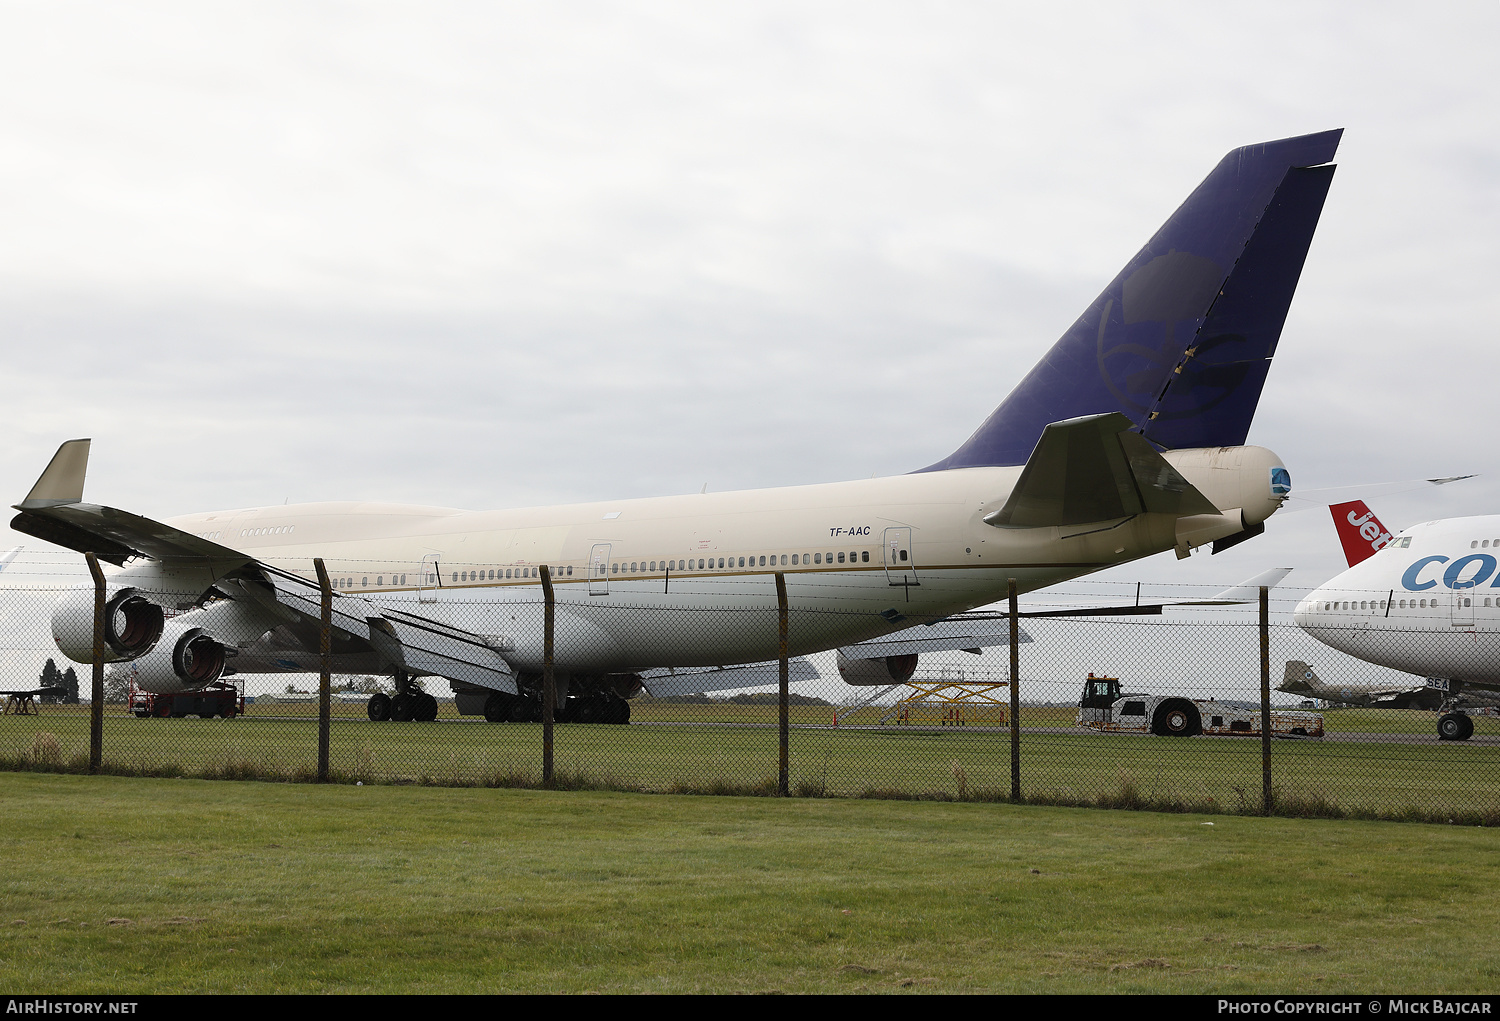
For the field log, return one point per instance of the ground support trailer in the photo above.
(219, 699)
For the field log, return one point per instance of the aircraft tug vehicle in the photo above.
(1105, 708)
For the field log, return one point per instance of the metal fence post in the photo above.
(96, 707)
(325, 667)
(783, 774)
(549, 687)
(1267, 796)
(1015, 694)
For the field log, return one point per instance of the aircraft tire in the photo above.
(589, 710)
(521, 711)
(401, 708)
(1455, 727)
(497, 707)
(1450, 727)
(378, 709)
(424, 707)
(1176, 717)
(619, 711)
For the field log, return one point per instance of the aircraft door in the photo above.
(427, 581)
(1462, 614)
(599, 569)
(900, 567)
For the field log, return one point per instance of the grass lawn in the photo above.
(1380, 777)
(128, 885)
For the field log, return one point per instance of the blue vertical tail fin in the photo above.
(1181, 340)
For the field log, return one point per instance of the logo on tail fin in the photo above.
(1359, 530)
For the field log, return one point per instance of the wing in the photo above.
(54, 510)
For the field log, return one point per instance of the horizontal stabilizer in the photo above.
(1245, 591)
(666, 682)
(1094, 469)
(946, 635)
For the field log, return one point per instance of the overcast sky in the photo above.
(492, 255)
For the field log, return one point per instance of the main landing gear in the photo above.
(599, 707)
(407, 704)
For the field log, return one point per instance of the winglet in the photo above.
(62, 482)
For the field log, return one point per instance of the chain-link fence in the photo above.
(1146, 709)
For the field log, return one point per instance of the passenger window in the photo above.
(653, 565)
(570, 570)
(363, 583)
(455, 579)
(841, 557)
(763, 561)
(380, 579)
(783, 560)
(403, 579)
(614, 568)
(864, 556)
(901, 555)
(742, 561)
(794, 560)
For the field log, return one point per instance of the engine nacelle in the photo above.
(132, 625)
(882, 670)
(195, 645)
(188, 659)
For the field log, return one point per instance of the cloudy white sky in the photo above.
(489, 255)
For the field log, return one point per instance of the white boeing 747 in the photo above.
(1425, 601)
(1127, 439)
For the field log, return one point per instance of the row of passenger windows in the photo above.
(396, 579)
(501, 573)
(1484, 543)
(710, 564)
(247, 532)
(1400, 604)
(639, 566)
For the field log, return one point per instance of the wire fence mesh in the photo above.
(1134, 710)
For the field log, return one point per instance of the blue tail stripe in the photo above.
(1207, 295)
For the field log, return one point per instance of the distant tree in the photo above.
(49, 679)
(116, 687)
(70, 683)
(772, 698)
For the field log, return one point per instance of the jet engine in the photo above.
(196, 645)
(132, 625)
(187, 660)
(883, 670)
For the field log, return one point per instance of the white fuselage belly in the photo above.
(1427, 604)
(841, 535)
